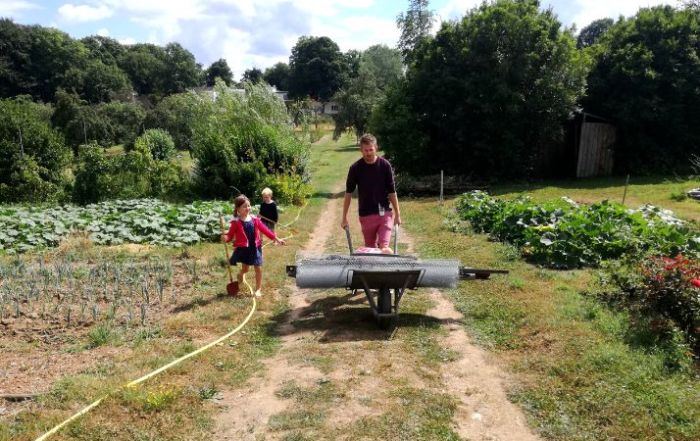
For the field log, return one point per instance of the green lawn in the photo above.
(579, 371)
(660, 191)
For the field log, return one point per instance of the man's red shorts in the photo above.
(376, 229)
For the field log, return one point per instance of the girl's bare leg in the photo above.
(244, 269)
(258, 278)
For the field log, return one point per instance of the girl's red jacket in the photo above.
(237, 232)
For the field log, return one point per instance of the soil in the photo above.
(473, 378)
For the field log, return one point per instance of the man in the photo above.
(374, 179)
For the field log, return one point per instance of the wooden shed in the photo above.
(594, 141)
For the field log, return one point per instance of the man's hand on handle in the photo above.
(344, 223)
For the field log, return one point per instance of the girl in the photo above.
(245, 229)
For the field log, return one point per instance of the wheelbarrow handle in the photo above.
(347, 235)
(396, 239)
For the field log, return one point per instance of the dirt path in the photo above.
(358, 352)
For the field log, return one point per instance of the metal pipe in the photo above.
(347, 235)
(396, 239)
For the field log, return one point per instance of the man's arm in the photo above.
(394, 200)
(346, 207)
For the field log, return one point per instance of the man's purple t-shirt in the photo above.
(374, 182)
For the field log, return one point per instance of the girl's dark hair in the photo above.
(240, 200)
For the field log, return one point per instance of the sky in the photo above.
(260, 33)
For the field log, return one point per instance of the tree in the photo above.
(105, 49)
(317, 68)
(378, 68)
(32, 154)
(176, 115)
(486, 97)
(15, 48)
(53, 55)
(219, 69)
(253, 75)
(352, 58)
(592, 33)
(415, 25)
(181, 71)
(355, 104)
(97, 82)
(244, 141)
(278, 76)
(144, 63)
(383, 64)
(646, 79)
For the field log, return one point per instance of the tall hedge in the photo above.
(33, 155)
(243, 139)
(487, 96)
(646, 79)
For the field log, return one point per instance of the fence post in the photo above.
(624, 194)
(442, 183)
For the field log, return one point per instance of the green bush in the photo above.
(642, 66)
(93, 175)
(662, 293)
(473, 90)
(106, 124)
(176, 114)
(26, 183)
(33, 156)
(135, 174)
(244, 141)
(158, 142)
(287, 189)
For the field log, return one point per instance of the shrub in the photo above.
(244, 141)
(92, 175)
(158, 142)
(176, 114)
(33, 155)
(287, 189)
(663, 292)
(564, 234)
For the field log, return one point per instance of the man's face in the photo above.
(369, 152)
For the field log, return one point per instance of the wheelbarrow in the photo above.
(384, 278)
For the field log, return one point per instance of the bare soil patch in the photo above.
(332, 340)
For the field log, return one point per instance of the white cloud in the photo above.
(14, 8)
(455, 9)
(357, 32)
(103, 32)
(127, 41)
(82, 13)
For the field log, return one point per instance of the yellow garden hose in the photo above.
(95, 403)
(177, 361)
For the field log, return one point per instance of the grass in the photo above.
(661, 191)
(579, 376)
(577, 371)
(203, 314)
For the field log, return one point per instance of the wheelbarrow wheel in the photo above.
(384, 307)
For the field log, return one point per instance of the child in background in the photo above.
(245, 232)
(268, 209)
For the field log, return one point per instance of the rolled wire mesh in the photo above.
(335, 271)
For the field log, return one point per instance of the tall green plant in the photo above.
(646, 79)
(243, 138)
(33, 156)
(488, 94)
